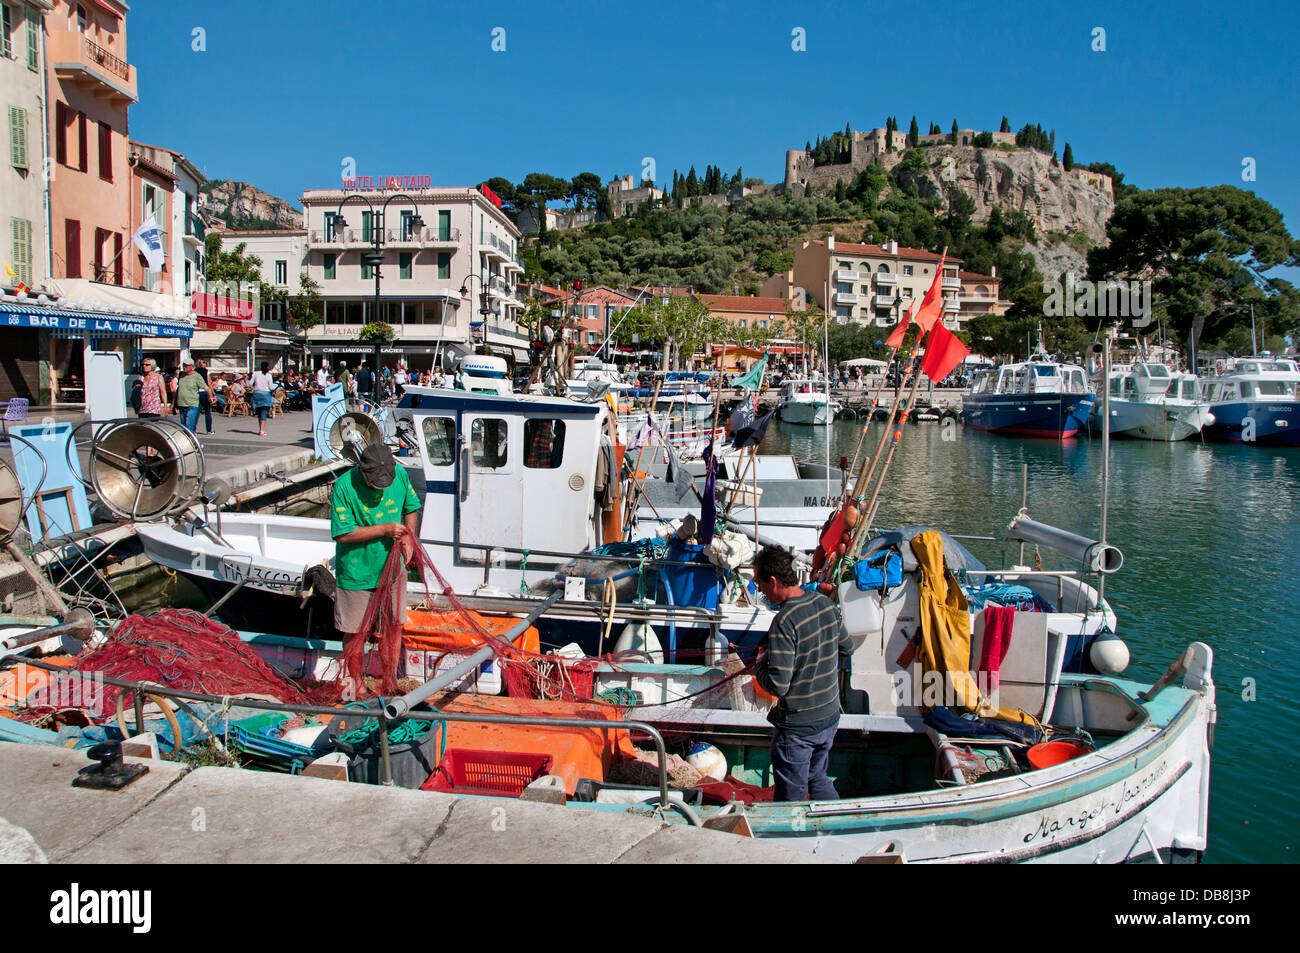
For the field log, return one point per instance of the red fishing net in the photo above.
(183, 649)
(527, 674)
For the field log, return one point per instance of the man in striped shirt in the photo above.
(800, 665)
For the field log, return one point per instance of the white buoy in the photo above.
(707, 760)
(639, 637)
(1109, 654)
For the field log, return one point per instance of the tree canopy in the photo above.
(1203, 249)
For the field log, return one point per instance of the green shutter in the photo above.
(21, 230)
(444, 226)
(444, 264)
(32, 40)
(404, 264)
(365, 236)
(18, 137)
(329, 266)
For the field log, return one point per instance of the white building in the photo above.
(228, 339)
(463, 241)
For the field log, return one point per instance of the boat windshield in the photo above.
(1273, 389)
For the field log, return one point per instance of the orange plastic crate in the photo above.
(499, 773)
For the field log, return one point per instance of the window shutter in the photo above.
(404, 264)
(33, 38)
(61, 133)
(18, 137)
(82, 159)
(22, 248)
(105, 152)
(329, 265)
(72, 247)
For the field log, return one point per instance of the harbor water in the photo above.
(1209, 533)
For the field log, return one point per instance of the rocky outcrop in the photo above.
(240, 205)
(1074, 202)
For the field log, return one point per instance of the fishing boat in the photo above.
(1034, 398)
(1149, 401)
(806, 401)
(1254, 400)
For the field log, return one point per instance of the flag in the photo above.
(708, 500)
(754, 379)
(645, 433)
(932, 304)
(752, 434)
(943, 352)
(678, 475)
(895, 339)
(148, 239)
(9, 270)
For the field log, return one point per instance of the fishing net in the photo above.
(185, 650)
(526, 674)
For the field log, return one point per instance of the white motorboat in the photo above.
(1148, 401)
(1255, 400)
(805, 401)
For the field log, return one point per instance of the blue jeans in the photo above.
(190, 417)
(799, 765)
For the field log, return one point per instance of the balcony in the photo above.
(885, 300)
(952, 305)
(951, 284)
(497, 247)
(422, 238)
(195, 233)
(846, 297)
(79, 60)
(884, 278)
(845, 276)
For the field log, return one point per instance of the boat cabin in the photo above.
(513, 471)
(485, 374)
(1033, 377)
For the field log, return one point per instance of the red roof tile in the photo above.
(919, 254)
(745, 303)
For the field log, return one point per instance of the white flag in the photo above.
(149, 240)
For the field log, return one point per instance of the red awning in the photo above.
(219, 313)
(224, 324)
(105, 5)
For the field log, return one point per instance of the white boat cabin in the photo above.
(1032, 377)
(513, 471)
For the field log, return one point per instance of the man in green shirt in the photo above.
(188, 389)
(372, 505)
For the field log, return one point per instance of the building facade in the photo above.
(23, 181)
(448, 283)
(625, 196)
(876, 284)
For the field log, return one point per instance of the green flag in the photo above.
(754, 379)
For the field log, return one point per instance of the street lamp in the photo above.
(485, 308)
(375, 257)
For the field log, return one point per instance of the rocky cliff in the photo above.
(1078, 202)
(240, 205)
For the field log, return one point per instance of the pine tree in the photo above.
(913, 134)
(1051, 142)
(1006, 125)
(839, 190)
(807, 146)
(952, 136)
(1067, 160)
(692, 183)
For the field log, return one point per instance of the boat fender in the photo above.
(1108, 654)
(707, 760)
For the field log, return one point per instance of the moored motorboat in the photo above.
(1035, 398)
(1254, 400)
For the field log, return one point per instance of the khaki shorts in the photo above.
(350, 607)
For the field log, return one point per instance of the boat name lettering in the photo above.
(1049, 827)
(820, 500)
(235, 573)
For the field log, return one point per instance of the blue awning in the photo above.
(89, 322)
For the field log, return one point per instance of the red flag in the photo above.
(895, 339)
(943, 352)
(932, 304)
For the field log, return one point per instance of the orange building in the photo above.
(91, 87)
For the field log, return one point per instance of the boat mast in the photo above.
(1105, 462)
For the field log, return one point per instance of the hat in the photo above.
(378, 468)
(187, 363)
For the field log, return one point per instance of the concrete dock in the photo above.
(228, 815)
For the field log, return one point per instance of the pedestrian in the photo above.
(205, 396)
(262, 385)
(322, 377)
(153, 392)
(372, 505)
(188, 388)
(800, 665)
(365, 382)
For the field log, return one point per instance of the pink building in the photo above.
(91, 87)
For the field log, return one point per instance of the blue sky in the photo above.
(285, 91)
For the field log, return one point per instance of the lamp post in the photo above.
(485, 308)
(375, 257)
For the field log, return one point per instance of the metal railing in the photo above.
(140, 690)
(101, 57)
